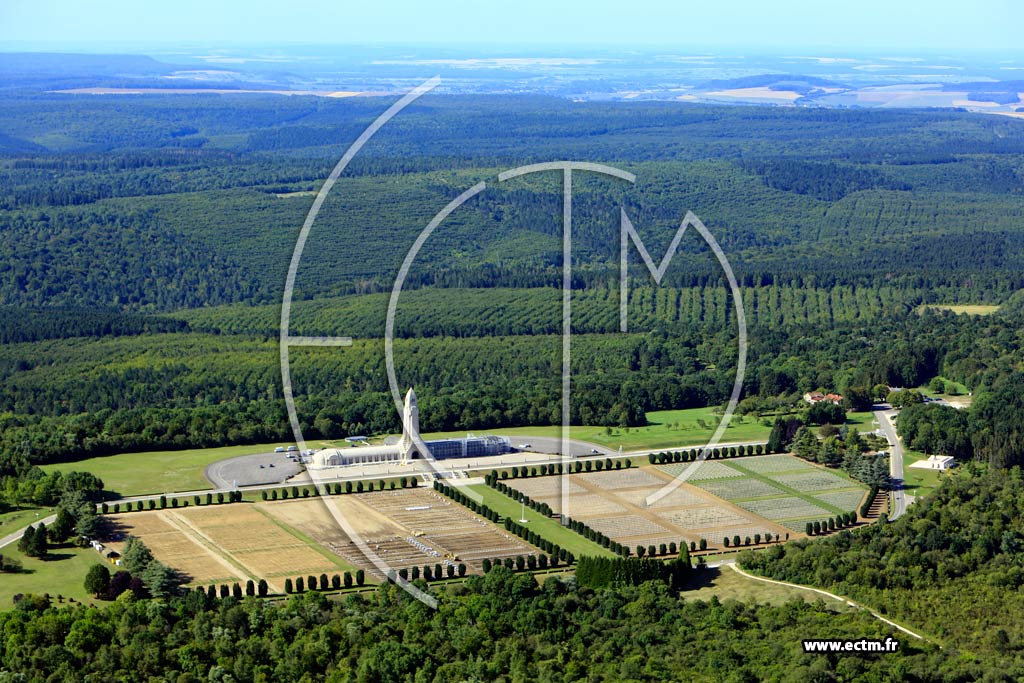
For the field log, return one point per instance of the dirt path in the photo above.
(849, 602)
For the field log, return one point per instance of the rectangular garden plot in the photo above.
(819, 480)
(613, 480)
(788, 507)
(705, 518)
(765, 464)
(844, 500)
(630, 527)
(709, 469)
(739, 489)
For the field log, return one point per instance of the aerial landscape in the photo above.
(554, 343)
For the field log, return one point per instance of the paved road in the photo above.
(552, 445)
(12, 537)
(900, 500)
(252, 470)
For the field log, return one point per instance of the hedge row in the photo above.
(530, 536)
(163, 502)
(522, 563)
(665, 457)
(462, 499)
(525, 471)
(831, 524)
(339, 488)
(866, 507)
(235, 590)
(597, 572)
(436, 573)
(336, 582)
(518, 496)
(737, 542)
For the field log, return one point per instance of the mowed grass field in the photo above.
(724, 583)
(13, 520)
(134, 474)
(919, 482)
(547, 527)
(665, 429)
(63, 573)
(966, 309)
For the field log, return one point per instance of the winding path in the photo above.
(840, 598)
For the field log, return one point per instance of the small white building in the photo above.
(935, 462)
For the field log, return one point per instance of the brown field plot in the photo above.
(225, 544)
(405, 527)
(292, 538)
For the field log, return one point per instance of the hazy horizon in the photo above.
(796, 25)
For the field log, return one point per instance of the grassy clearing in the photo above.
(966, 309)
(725, 584)
(665, 429)
(13, 520)
(918, 482)
(865, 422)
(133, 474)
(960, 388)
(547, 527)
(62, 574)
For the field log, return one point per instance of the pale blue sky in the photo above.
(892, 25)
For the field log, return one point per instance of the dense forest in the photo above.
(67, 399)
(929, 200)
(498, 627)
(145, 242)
(952, 566)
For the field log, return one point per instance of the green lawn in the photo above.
(13, 520)
(960, 387)
(865, 422)
(62, 574)
(132, 474)
(547, 527)
(665, 429)
(724, 583)
(968, 309)
(918, 482)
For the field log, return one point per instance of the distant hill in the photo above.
(58, 71)
(794, 82)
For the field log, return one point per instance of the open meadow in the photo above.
(135, 474)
